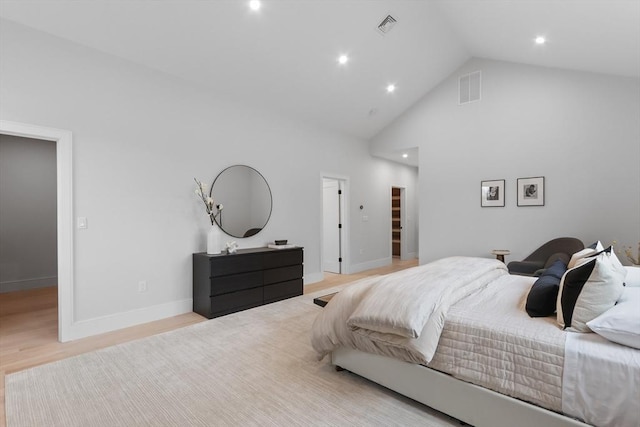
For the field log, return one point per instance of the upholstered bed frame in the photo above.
(464, 401)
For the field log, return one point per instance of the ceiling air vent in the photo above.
(469, 86)
(387, 24)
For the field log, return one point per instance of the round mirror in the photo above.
(246, 200)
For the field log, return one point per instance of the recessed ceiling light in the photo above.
(405, 155)
(391, 88)
(343, 59)
(255, 5)
(540, 40)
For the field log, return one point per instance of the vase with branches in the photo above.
(213, 210)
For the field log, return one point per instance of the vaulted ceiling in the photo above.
(284, 56)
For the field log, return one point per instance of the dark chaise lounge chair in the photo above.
(533, 265)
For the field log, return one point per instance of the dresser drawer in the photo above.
(282, 258)
(224, 284)
(282, 274)
(235, 282)
(232, 264)
(235, 301)
(282, 290)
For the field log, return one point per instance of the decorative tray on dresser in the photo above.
(224, 284)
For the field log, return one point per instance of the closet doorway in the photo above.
(398, 241)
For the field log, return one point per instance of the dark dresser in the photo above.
(224, 284)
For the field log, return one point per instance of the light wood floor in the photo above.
(29, 326)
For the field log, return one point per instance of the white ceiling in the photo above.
(284, 56)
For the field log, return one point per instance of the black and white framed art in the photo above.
(492, 193)
(531, 191)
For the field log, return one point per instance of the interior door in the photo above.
(331, 223)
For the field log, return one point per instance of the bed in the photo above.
(476, 354)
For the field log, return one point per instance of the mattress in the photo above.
(489, 340)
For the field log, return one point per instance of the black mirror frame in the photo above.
(270, 198)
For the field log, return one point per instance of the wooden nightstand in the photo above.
(500, 253)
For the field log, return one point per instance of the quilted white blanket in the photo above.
(402, 314)
(600, 381)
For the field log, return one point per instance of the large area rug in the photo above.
(251, 368)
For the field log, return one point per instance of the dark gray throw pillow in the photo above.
(541, 301)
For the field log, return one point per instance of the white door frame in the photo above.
(344, 220)
(332, 233)
(64, 171)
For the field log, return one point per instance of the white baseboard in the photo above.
(112, 322)
(376, 263)
(313, 278)
(24, 284)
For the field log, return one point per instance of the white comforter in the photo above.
(402, 314)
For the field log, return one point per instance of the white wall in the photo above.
(140, 137)
(580, 131)
(27, 213)
(372, 248)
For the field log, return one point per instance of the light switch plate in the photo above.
(82, 222)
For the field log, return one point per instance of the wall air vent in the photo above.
(469, 87)
(387, 24)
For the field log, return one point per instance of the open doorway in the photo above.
(28, 234)
(398, 220)
(333, 226)
(28, 219)
(62, 140)
(396, 224)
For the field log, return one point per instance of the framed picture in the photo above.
(492, 193)
(531, 191)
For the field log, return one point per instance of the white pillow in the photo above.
(633, 276)
(590, 289)
(621, 323)
(586, 252)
